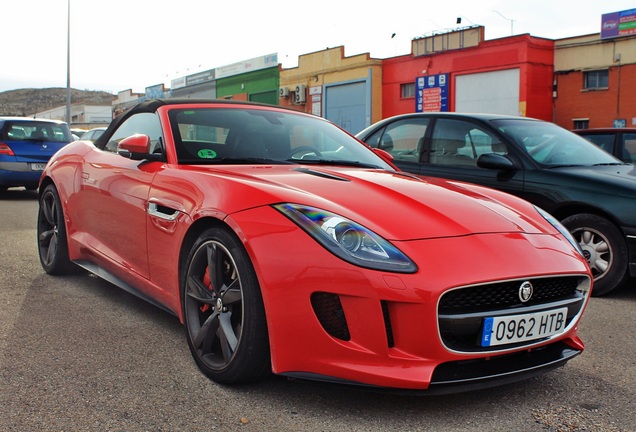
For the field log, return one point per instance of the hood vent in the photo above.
(321, 174)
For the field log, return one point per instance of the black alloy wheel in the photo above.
(51, 232)
(223, 310)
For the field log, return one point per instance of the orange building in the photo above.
(344, 90)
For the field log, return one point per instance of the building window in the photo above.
(581, 123)
(407, 90)
(598, 79)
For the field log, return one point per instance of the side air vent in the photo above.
(330, 314)
(387, 324)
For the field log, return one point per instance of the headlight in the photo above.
(348, 240)
(563, 230)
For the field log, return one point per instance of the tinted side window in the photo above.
(403, 139)
(604, 141)
(630, 147)
(457, 142)
(143, 123)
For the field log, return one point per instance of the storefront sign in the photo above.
(617, 24)
(431, 93)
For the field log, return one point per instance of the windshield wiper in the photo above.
(333, 162)
(584, 165)
(564, 166)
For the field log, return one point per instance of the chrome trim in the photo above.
(159, 211)
(584, 288)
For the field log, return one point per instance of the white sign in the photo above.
(316, 104)
(254, 64)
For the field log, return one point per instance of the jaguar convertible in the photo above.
(286, 246)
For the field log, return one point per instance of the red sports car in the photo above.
(286, 245)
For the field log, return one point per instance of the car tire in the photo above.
(604, 247)
(51, 232)
(223, 310)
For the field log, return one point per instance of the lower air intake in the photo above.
(330, 314)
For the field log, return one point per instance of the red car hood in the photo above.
(396, 205)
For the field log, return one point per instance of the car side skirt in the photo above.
(109, 277)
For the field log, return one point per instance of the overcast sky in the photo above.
(133, 44)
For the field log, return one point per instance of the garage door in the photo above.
(489, 92)
(345, 105)
(270, 97)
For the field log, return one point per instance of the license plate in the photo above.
(521, 328)
(37, 166)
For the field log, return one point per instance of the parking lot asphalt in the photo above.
(78, 354)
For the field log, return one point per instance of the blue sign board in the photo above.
(617, 24)
(431, 93)
(620, 123)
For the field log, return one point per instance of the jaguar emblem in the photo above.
(525, 291)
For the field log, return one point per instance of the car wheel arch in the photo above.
(44, 182)
(603, 243)
(194, 231)
(569, 210)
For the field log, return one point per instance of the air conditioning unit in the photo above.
(283, 92)
(300, 94)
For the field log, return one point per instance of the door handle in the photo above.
(162, 212)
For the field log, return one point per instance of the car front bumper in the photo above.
(335, 322)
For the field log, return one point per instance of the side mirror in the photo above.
(495, 161)
(385, 155)
(137, 147)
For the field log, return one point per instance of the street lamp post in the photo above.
(68, 64)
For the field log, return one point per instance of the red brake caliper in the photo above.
(208, 283)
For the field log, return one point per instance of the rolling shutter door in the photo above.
(346, 106)
(489, 92)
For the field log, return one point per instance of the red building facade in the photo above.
(530, 61)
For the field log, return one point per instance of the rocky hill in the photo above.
(24, 102)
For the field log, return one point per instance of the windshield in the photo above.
(238, 135)
(553, 146)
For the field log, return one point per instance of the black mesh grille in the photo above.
(330, 314)
(461, 311)
(506, 294)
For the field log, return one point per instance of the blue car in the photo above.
(26, 145)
